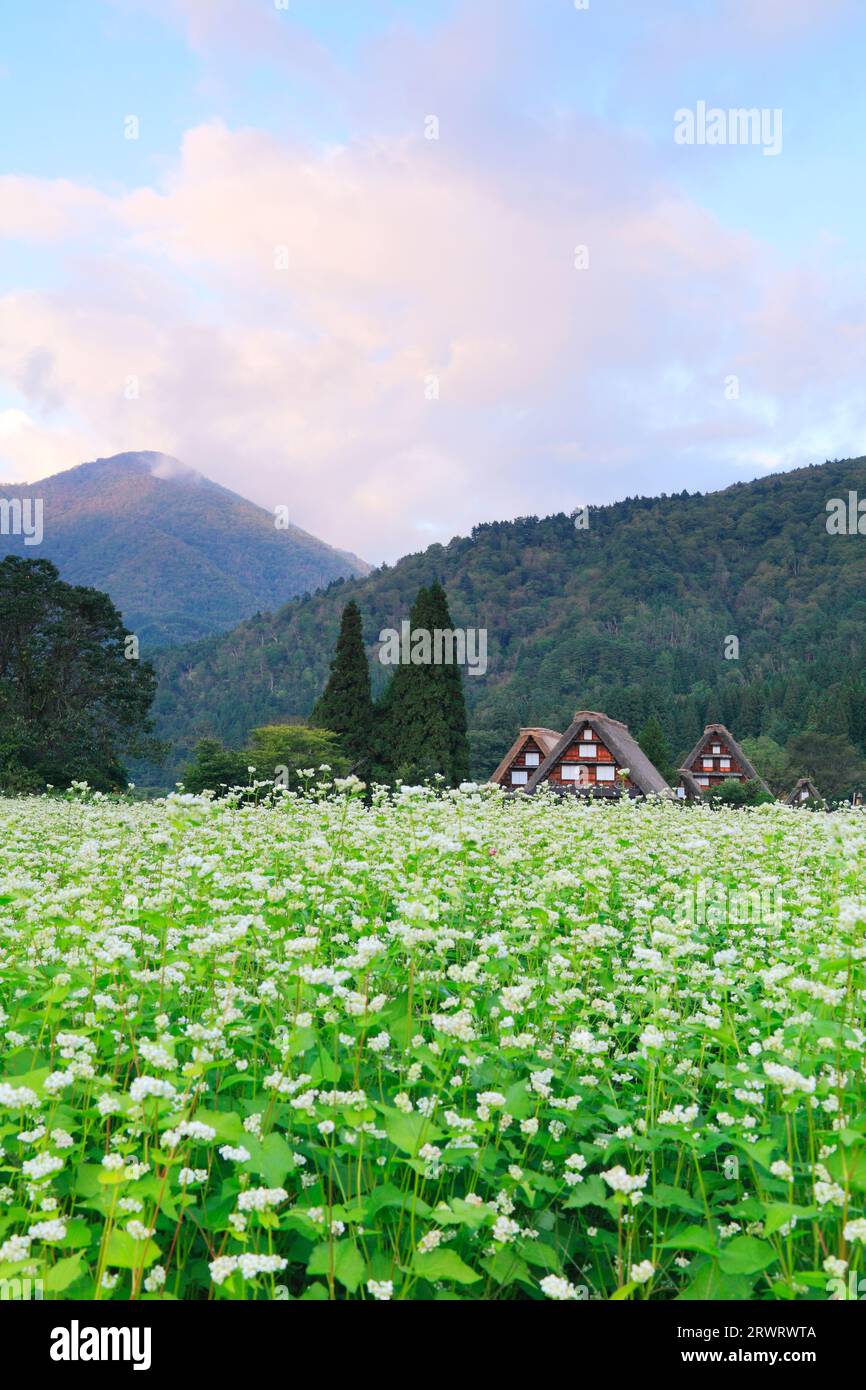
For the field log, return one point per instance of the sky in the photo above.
(403, 267)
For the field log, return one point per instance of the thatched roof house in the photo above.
(718, 758)
(525, 755)
(804, 790)
(597, 756)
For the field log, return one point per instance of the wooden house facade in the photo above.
(718, 758)
(524, 757)
(597, 756)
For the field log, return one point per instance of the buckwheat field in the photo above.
(438, 1046)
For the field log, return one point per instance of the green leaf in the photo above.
(677, 1197)
(691, 1238)
(505, 1267)
(540, 1254)
(589, 1193)
(410, 1132)
(62, 1274)
(746, 1255)
(710, 1283)
(78, 1234)
(460, 1213)
(443, 1264)
(388, 1195)
(518, 1101)
(348, 1263)
(271, 1157)
(227, 1123)
(125, 1253)
(779, 1214)
(848, 1166)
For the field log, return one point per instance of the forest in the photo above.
(630, 614)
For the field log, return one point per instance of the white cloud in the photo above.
(407, 260)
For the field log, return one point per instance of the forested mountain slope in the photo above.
(629, 616)
(180, 556)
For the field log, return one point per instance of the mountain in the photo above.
(630, 615)
(180, 556)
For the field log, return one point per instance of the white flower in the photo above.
(47, 1230)
(15, 1249)
(155, 1279)
(622, 1181)
(144, 1086)
(642, 1272)
(381, 1289)
(552, 1286)
(789, 1079)
(41, 1166)
(261, 1198)
(780, 1169)
(138, 1230)
(238, 1155)
(18, 1097)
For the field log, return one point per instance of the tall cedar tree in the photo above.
(72, 704)
(652, 741)
(450, 680)
(424, 710)
(346, 705)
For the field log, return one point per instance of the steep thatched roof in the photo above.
(618, 740)
(721, 732)
(803, 784)
(545, 738)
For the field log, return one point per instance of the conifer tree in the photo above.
(423, 729)
(417, 735)
(652, 741)
(346, 705)
(449, 679)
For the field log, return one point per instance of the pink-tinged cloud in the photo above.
(391, 336)
(46, 210)
(241, 30)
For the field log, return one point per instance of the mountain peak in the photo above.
(181, 556)
(143, 462)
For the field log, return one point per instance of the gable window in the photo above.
(587, 750)
(724, 763)
(708, 762)
(702, 781)
(519, 779)
(531, 759)
(717, 748)
(605, 774)
(571, 772)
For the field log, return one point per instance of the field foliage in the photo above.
(441, 1046)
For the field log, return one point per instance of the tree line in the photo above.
(415, 730)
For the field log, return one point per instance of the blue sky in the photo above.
(411, 260)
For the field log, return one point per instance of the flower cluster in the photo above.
(431, 1042)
